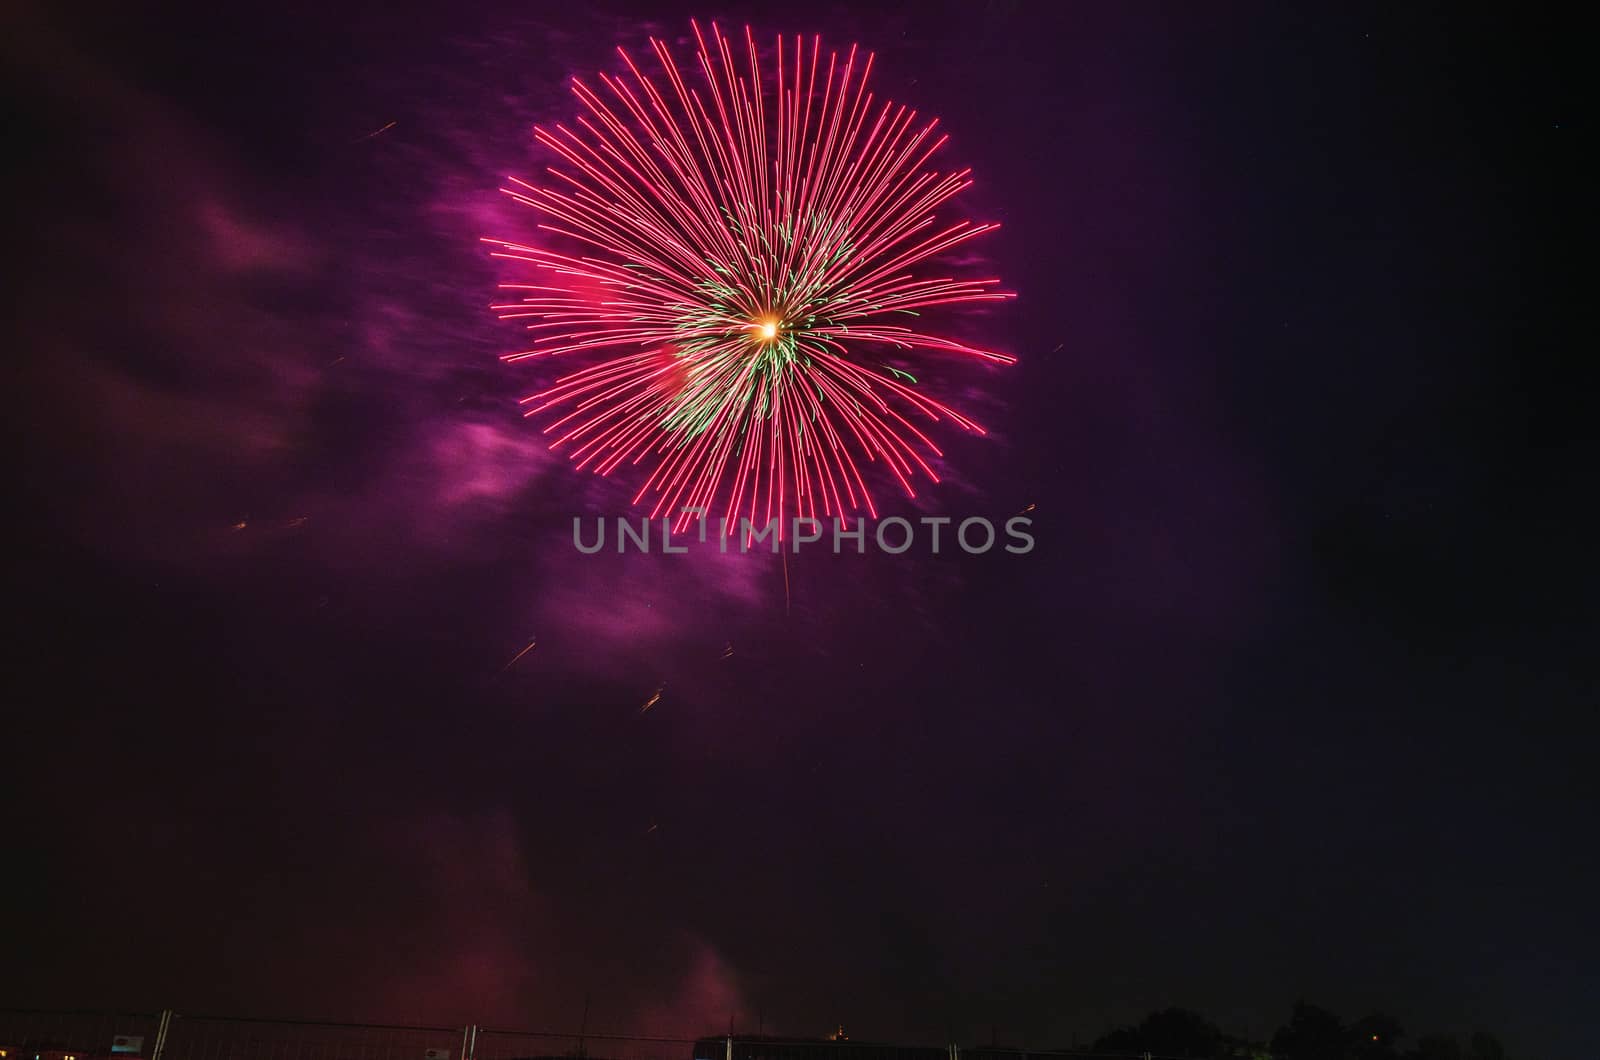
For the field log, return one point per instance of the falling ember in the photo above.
(375, 132)
(653, 700)
(738, 248)
(518, 657)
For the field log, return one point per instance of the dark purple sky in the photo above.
(1294, 698)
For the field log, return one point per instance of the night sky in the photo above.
(1294, 698)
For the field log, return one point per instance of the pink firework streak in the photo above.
(736, 253)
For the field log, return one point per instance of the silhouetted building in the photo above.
(756, 1047)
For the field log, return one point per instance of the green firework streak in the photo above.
(736, 380)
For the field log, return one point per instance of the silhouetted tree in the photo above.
(1436, 1047)
(1486, 1046)
(1376, 1037)
(1170, 1032)
(1312, 1033)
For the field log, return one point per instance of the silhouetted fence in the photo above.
(34, 1034)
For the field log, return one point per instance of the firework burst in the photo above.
(736, 256)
